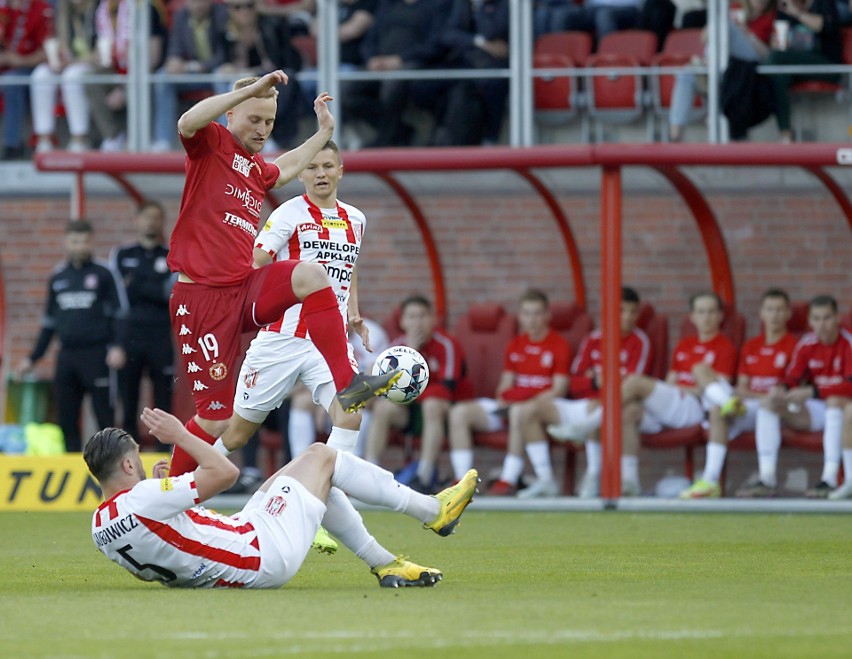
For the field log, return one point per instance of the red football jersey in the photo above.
(827, 367)
(719, 352)
(213, 239)
(765, 365)
(635, 357)
(446, 364)
(23, 29)
(535, 363)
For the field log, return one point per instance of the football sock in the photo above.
(539, 454)
(718, 392)
(425, 472)
(593, 457)
(715, 461)
(345, 523)
(513, 465)
(301, 431)
(322, 318)
(630, 469)
(219, 445)
(366, 416)
(182, 462)
(768, 440)
(343, 440)
(847, 464)
(376, 486)
(831, 444)
(462, 461)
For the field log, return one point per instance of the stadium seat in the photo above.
(571, 321)
(620, 98)
(558, 99)
(656, 326)
(306, 46)
(846, 321)
(575, 44)
(484, 332)
(680, 48)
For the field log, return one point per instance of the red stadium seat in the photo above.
(571, 321)
(306, 45)
(576, 45)
(484, 332)
(558, 99)
(656, 326)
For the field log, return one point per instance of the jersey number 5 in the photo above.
(167, 575)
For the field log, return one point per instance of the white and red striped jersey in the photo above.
(302, 231)
(156, 532)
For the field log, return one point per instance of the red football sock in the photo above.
(322, 317)
(182, 462)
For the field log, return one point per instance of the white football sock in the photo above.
(344, 523)
(539, 454)
(832, 439)
(768, 440)
(718, 392)
(462, 461)
(513, 466)
(366, 417)
(630, 469)
(593, 457)
(301, 430)
(219, 445)
(714, 461)
(343, 440)
(376, 486)
(847, 464)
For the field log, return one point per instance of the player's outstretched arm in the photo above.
(210, 109)
(294, 161)
(215, 472)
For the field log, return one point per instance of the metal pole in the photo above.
(713, 66)
(525, 47)
(142, 75)
(328, 56)
(516, 65)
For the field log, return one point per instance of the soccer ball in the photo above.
(415, 373)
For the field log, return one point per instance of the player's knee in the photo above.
(322, 453)
(308, 278)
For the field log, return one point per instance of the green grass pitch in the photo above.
(515, 584)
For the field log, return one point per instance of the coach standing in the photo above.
(141, 267)
(85, 309)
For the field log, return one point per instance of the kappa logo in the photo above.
(182, 311)
(184, 330)
(193, 368)
(187, 349)
(218, 371)
(198, 385)
(215, 406)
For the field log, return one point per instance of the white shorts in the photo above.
(495, 421)
(577, 411)
(286, 520)
(673, 407)
(272, 368)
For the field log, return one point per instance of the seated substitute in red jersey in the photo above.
(763, 364)
(579, 419)
(445, 357)
(219, 294)
(535, 369)
(814, 392)
(155, 530)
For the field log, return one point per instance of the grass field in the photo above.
(515, 584)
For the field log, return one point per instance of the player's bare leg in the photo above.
(386, 415)
(434, 412)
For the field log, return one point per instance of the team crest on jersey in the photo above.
(780, 360)
(276, 505)
(309, 226)
(710, 357)
(547, 359)
(91, 281)
(218, 371)
(250, 378)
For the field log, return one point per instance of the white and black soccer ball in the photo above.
(415, 373)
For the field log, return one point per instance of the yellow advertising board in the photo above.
(56, 483)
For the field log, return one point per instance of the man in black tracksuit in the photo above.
(85, 309)
(142, 268)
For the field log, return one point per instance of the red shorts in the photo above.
(208, 322)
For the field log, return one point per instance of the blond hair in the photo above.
(246, 82)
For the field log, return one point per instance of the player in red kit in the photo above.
(580, 419)
(536, 365)
(815, 390)
(763, 363)
(219, 294)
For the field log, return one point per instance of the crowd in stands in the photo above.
(60, 43)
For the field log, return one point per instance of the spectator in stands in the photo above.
(24, 27)
(649, 405)
(565, 419)
(535, 371)
(258, 44)
(762, 365)
(85, 309)
(196, 45)
(601, 17)
(812, 396)
(748, 41)
(299, 14)
(475, 36)
(107, 101)
(814, 39)
(403, 37)
(141, 267)
(70, 55)
(427, 416)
